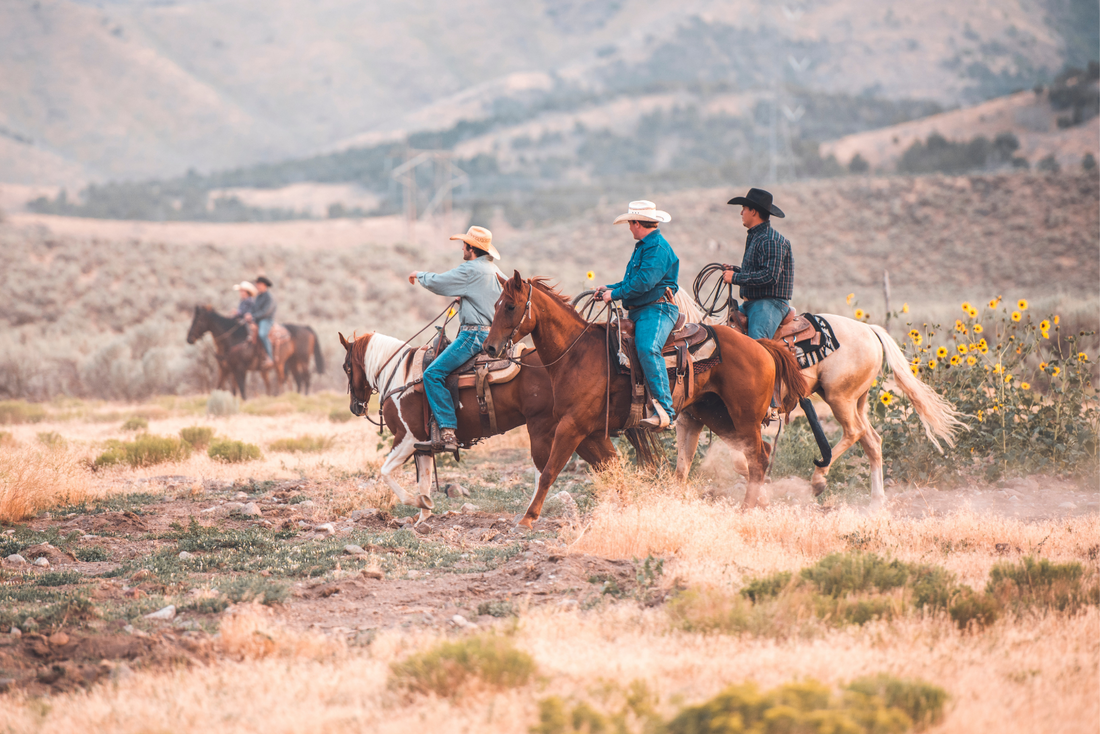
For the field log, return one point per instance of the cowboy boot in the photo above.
(659, 421)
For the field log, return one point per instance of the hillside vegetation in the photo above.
(107, 317)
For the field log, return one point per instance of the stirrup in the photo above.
(658, 421)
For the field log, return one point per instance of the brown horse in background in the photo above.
(305, 342)
(376, 362)
(576, 357)
(238, 354)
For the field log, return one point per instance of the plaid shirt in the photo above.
(767, 269)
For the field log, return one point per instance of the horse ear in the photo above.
(517, 278)
(501, 279)
(344, 341)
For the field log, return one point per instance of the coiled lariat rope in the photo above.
(715, 301)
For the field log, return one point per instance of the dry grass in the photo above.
(250, 631)
(35, 478)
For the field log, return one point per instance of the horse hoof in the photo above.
(424, 515)
(526, 522)
(818, 488)
(425, 502)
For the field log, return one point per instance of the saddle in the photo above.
(686, 345)
(278, 336)
(793, 328)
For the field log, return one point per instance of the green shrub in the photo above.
(199, 437)
(256, 589)
(1041, 584)
(305, 444)
(52, 439)
(922, 702)
(496, 608)
(13, 412)
(233, 452)
(221, 402)
(59, 578)
(769, 586)
(455, 668)
(145, 450)
(95, 553)
(135, 423)
(340, 415)
(970, 607)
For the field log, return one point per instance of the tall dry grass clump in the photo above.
(250, 631)
(33, 479)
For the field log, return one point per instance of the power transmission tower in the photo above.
(446, 178)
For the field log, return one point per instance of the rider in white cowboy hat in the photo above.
(248, 293)
(475, 282)
(646, 290)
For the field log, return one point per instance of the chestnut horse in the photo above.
(375, 362)
(734, 394)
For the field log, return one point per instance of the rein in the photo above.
(526, 310)
(712, 304)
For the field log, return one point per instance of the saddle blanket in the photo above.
(806, 352)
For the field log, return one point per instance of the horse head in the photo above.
(358, 386)
(513, 318)
(200, 324)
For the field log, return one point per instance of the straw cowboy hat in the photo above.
(758, 199)
(244, 285)
(480, 238)
(642, 211)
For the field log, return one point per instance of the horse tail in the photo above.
(646, 446)
(788, 375)
(939, 417)
(318, 357)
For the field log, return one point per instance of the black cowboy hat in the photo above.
(263, 279)
(758, 199)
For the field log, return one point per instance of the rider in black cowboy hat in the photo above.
(767, 268)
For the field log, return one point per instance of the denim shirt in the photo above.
(653, 267)
(475, 281)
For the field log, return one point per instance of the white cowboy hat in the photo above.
(643, 211)
(480, 238)
(244, 285)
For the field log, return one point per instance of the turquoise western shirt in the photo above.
(653, 267)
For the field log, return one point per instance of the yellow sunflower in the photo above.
(916, 337)
(932, 364)
(1043, 366)
(1045, 334)
(1082, 357)
(941, 352)
(994, 302)
(961, 348)
(982, 344)
(983, 350)
(1016, 316)
(1055, 371)
(960, 326)
(971, 361)
(972, 313)
(1056, 319)
(1025, 385)
(972, 348)
(590, 275)
(848, 300)
(978, 329)
(998, 368)
(954, 359)
(905, 308)
(981, 416)
(1008, 379)
(1021, 304)
(966, 306)
(1044, 325)
(914, 369)
(886, 398)
(860, 313)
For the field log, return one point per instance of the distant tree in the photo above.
(858, 164)
(1049, 164)
(1088, 162)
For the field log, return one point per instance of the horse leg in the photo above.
(424, 499)
(688, 429)
(566, 440)
(241, 376)
(846, 414)
(757, 459)
(872, 447)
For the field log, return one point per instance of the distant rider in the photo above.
(248, 293)
(263, 313)
(767, 268)
(646, 290)
(475, 282)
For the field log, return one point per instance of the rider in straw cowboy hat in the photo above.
(475, 282)
(767, 268)
(646, 290)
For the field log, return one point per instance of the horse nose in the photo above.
(490, 350)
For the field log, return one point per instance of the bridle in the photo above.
(526, 312)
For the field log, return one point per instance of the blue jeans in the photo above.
(764, 315)
(652, 325)
(465, 345)
(263, 328)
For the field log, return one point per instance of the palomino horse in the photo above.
(373, 364)
(239, 354)
(587, 402)
(843, 380)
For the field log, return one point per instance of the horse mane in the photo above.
(543, 284)
(372, 350)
